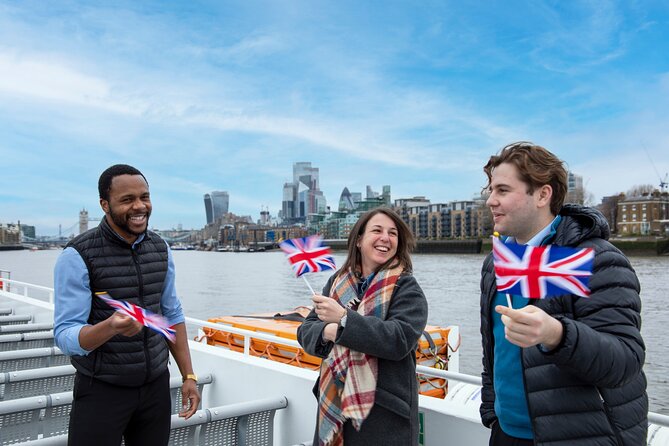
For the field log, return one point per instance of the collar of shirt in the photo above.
(362, 287)
(139, 239)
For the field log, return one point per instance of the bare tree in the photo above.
(639, 189)
(580, 195)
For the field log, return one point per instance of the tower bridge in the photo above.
(173, 236)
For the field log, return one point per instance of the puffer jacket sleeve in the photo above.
(602, 342)
(310, 333)
(487, 409)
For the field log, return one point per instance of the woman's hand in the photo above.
(328, 309)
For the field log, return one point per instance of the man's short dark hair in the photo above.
(105, 181)
(536, 166)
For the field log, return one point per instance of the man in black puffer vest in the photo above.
(121, 385)
(565, 370)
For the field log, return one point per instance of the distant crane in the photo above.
(663, 181)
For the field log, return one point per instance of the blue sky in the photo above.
(217, 95)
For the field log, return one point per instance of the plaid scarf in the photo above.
(348, 378)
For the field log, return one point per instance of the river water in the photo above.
(213, 284)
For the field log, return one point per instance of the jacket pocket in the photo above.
(392, 403)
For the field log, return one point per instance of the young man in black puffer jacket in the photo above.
(565, 370)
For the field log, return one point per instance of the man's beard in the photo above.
(122, 221)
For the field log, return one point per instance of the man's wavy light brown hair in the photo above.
(536, 167)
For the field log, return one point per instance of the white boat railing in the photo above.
(453, 376)
(247, 334)
(658, 418)
(10, 284)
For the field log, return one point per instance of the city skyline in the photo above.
(218, 96)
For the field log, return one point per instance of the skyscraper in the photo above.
(208, 209)
(219, 204)
(346, 201)
(302, 197)
(575, 189)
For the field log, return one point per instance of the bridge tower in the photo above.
(83, 221)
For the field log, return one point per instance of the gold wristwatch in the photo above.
(189, 376)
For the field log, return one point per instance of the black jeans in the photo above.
(103, 413)
(499, 438)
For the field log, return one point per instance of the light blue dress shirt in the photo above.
(72, 299)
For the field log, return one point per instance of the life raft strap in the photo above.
(295, 317)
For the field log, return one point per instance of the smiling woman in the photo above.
(366, 326)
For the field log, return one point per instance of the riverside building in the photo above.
(647, 214)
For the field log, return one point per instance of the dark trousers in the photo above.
(499, 438)
(103, 413)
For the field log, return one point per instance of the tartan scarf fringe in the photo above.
(348, 378)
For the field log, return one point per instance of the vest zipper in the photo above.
(141, 302)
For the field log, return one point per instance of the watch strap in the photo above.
(342, 321)
(189, 376)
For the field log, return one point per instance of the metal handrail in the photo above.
(659, 419)
(26, 286)
(248, 334)
(455, 376)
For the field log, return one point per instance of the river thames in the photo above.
(213, 284)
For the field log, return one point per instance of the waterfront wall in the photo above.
(642, 247)
(11, 247)
(429, 246)
(630, 247)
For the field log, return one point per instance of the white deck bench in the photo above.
(15, 319)
(254, 419)
(32, 358)
(25, 328)
(21, 341)
(33, 382)
(34, 417)
(246, 424)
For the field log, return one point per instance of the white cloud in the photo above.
(42, 78)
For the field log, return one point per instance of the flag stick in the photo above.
(508, 300)
(307, 282)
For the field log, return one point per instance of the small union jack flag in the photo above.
(308, 254)
(151, 320)
(539, 272)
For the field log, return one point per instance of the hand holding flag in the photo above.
(148, 319)
(529, 326)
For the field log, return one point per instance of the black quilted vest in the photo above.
(134, 275)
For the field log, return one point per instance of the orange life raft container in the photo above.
(433, 349)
